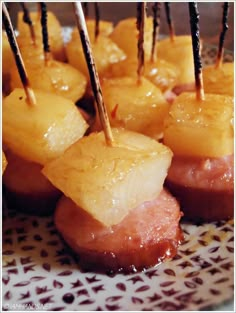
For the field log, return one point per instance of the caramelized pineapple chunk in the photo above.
(106, 181)
(42, 132)
(56, 77)
(125, 35)
(161, 73)
(180, 53)
(219, 80)
(105, 52)
(137, 107)
(54, 31)
(200, 128)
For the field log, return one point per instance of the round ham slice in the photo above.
(203, 186)
(149, 234)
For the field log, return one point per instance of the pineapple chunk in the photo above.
(200, 128)
(54, 31)
(179, 53)
(161, 73)
(219, 80)
(137, 107)
(125, 35)
(42, 132)
(57, 77)
(4, 162)
(105, 29)
(108, 182)
(105, 52)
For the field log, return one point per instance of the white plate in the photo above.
(40, 272)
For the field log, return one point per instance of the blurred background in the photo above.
(210, 16)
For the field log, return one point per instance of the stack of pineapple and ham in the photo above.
(37, 127)
(115, 212)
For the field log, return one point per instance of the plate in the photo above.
(40, 272)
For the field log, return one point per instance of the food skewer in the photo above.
(85, 9)
(199, 131)
(27, 20)
(194, 23)
(169, 21)
(222, 34)
(95, 83)
(18, 59)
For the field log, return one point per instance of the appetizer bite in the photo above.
(47, 74)
(133, 102)
(219, 77)
(37, 127)
(115, 213)
(55, 32)
(177, 50)
(199, 131)
(160, 72)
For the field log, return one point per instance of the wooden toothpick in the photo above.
(94, 79)
(27, 20)
(46, 47)
(169, 21)
(141, 15)
(30, 96)
(97, 20)
(195, 33)
(156, 8)
(219, 59)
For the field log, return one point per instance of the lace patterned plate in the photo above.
(39, 271)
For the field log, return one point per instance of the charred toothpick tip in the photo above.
(44, 17)
(141, 14)
(156, 8)
(169, 21)
(225, 27)
(194, 24)
(97, 19)
(94, 79)
(27, 20)
(17, 55)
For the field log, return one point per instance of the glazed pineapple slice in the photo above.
(125, 35)
(161, 73)
(219, 80)
(105, 52)
(137, 107)
(55, 77)
(109, 181)
(54, 30)
(200, 128)
(41, 132)
(178, 52)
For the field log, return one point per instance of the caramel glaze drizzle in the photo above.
(94, 79)
(30, 96)
(156, 9)
(195, 33)
(27, 20)
(46, 47)
(141, 14)
(169, 21)
(225, 27)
